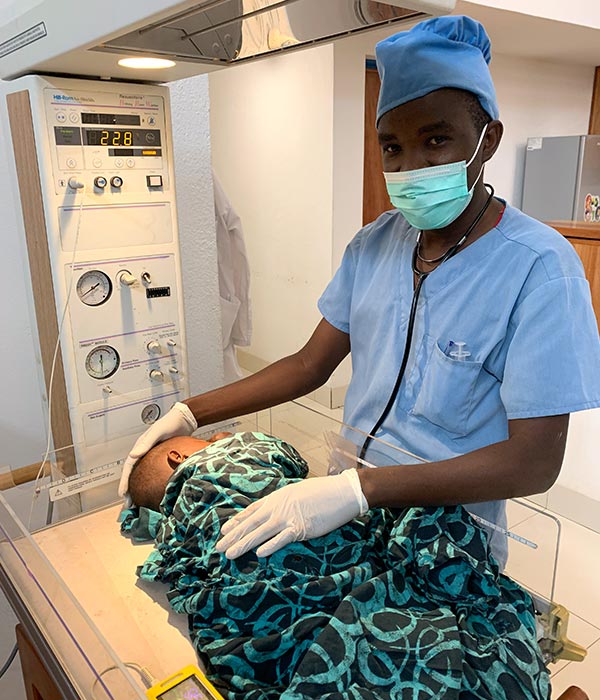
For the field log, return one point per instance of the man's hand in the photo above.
(178, 421)
(300, 511)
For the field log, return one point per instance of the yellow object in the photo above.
(187, 684)
(556, 645)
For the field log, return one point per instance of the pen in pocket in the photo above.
(457, 350)
(449, 347)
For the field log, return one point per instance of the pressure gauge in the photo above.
(94, 287)
(150, 413)
(102, 362)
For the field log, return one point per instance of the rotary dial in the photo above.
(150, 413)
(94, 288)
(102, 362)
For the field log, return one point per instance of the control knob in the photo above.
(116, 182)
(156, 374)
(126, 278)
(153, 346)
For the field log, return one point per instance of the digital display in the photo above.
(155, 292)
(67, 135)
(189, 689)
(122, 137)
(139, 152)
(130, 119)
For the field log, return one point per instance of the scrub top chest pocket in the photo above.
(447, 394)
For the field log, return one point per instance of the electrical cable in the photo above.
(147, 678)
(9, 661)
(37, 489)
(421, 277)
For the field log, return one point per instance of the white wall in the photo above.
(536, 98)
(271, 128)
(580, 470)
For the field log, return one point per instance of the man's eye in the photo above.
(391, 148)
(437, 140)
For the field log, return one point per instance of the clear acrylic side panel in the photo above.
(533, 547)
(93, 670)
(87, 520)
(64, 560)
(74, 480)
(531, 535)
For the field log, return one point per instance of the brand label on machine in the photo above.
(82, 482)
(38, 31)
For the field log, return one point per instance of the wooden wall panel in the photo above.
(28, 176)
(594, 127)
(375, 196)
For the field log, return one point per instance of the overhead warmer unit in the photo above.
(88, 39)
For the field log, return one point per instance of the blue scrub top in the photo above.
(519, 300)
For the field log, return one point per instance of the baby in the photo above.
(416, 588)
(151, 473)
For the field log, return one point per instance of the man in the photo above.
(470, 325)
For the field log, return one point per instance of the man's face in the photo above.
(433, 130)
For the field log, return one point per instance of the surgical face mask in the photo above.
(434, 197)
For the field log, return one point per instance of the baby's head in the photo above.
(151, 473)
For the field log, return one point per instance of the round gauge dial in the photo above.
(150, 413)
(94, 287)
(102, 362)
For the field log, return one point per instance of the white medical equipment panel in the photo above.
(106, 167)
(141, 346)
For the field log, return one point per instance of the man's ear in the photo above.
(175, 458)
(492, 139)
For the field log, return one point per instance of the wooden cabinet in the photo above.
(585, 238)
(39, 684)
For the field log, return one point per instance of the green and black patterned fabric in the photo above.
(404, 605)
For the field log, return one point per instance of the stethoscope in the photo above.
(421, 277)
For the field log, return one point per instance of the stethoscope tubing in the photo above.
(421, 277)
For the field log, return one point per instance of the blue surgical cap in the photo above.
(443, 52)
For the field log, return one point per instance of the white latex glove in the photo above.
(178, 421)
(300, 511)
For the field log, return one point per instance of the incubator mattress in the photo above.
(405, 604)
